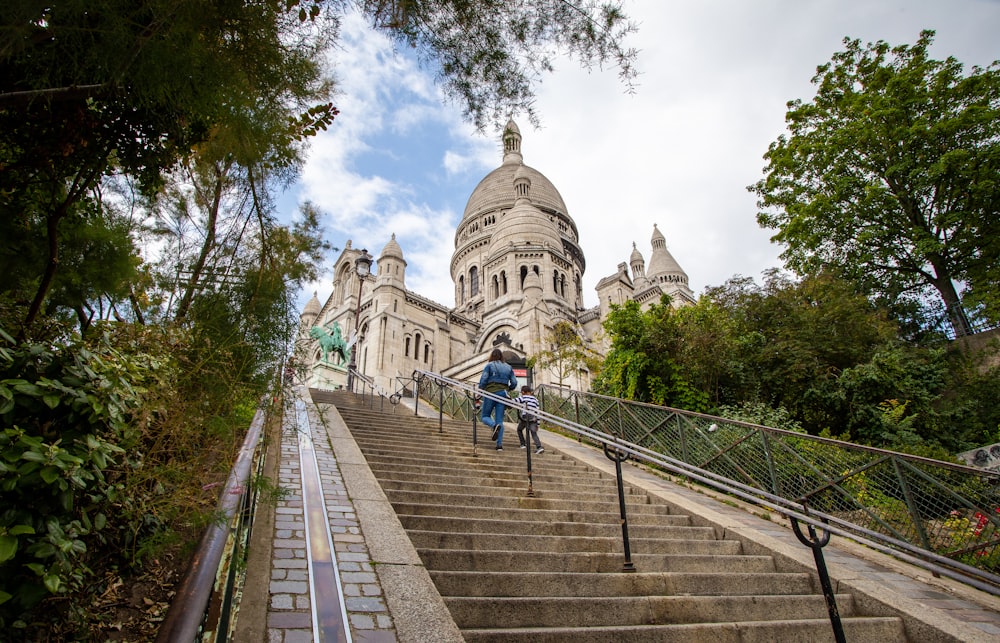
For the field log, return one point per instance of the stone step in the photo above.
(567, 544)
(446, 472)
(550, 567)
(868, 629)
(494, 487)
(539, 501)
(547, 462)
(463, 524)
(531, 509)
(587, 562)
(604, 611)
(476, 583)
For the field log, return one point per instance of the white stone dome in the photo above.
(496, 190)
(392, 249)
(524, 224)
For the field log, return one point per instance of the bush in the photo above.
(65, 436)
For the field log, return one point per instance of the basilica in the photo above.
(517, 270)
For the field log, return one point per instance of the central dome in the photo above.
(496, 190)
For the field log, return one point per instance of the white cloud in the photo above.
(679, 152)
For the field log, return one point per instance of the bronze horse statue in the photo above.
(331, 343)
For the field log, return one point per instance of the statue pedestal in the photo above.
(327, 377)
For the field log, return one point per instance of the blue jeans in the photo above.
(492, 414)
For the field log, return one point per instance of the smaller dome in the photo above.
(636, 256)
(658, 237)
(392, 249)
(312, 306)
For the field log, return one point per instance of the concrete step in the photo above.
(475, 583)
(529, 509)
(541, 500)
(588, 562)
(550, 567)
(868, 629)
(603, 611)
(568, 544)
(551, 528)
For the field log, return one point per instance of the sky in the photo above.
(679, 152)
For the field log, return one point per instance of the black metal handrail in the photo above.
(917, 504)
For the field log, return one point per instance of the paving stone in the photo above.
(289, 616)
(289, 620)
(299, 636)
(281, 602)
(364, 605)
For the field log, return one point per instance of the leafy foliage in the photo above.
(491, 53)
(809, 355)
(66, 442)
(889, 176)
(567, 355)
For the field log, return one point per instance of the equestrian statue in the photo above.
(332, 342)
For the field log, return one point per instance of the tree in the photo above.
(567, 353)
(890, 176)
(491, 53)
(130, 88)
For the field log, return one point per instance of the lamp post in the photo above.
(363, 267)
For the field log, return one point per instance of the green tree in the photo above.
(567, 354)
(890, 176)
(129, 88)
(491, 53)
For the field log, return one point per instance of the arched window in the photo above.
(473, 281)
(555, 281)
(461, 289)
(406, 349)
(496, 287)
(503, 282)
(524, 274)
(427, 352)
(416, 346)
(562, 285)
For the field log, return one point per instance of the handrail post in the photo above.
(416, 393)
(911, 506)
(527, 451)
(775, 487)
(474, 413)
(817, 543)
(440, 408)
(618, 456)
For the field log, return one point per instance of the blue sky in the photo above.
(715, 79)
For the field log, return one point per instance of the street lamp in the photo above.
(363, 267)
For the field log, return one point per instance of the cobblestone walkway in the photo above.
(290, 616)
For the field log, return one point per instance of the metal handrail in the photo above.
(803, 509)
(939, 508)
(204, 604)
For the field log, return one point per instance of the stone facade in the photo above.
(518, 270)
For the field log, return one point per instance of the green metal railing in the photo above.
(942, 516)
(948, 509)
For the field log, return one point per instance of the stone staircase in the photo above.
(549, 568)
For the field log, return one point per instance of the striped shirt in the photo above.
(530, 403)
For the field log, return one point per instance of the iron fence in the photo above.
(942, 516)
(947, 509)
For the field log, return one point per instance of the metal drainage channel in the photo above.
(329, 613)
